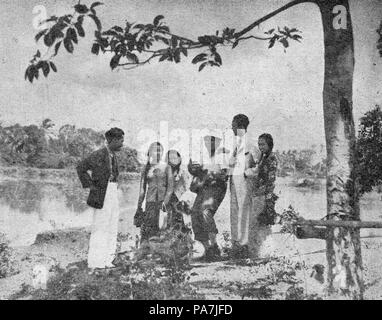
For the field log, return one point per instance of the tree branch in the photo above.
(253, 37)
(268, 16)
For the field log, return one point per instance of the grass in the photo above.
(150, 272)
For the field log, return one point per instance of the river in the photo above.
(29, 207)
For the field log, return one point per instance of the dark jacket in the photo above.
(98, 163)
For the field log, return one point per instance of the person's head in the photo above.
(174, 158)
(114, 138)
(265, 143)
(211, 143)
(155, 153)
(240, 124)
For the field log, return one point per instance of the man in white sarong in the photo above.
(103, 197)
(243, 172)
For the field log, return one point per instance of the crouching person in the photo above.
(103, 197)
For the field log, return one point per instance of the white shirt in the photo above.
(244, 147)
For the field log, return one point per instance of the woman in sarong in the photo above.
(180, 177)
(263, 196)
(156, 187)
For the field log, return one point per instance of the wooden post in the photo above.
(341, 224)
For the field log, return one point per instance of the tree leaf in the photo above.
(201, 67)
(174, 42)
(81, 8)
(80, 29)
(95, 48)
(164, 28)
(271, 43)
(160, 38)
(80, 19)
(45, 68)
(40, 34)
(199, 57)
(95, 4)
(177, 56)
(110, 33)
(296, 37)
(132, 57)
(35, 73)
(114, 61)
(30, 73)
(284, 42)
(56, 47)
(53, 66)
(139, 26)
(27, 71)
(157, 19)
(72, 35)
(163, 57)
(68, 45)
(235, 44)
(218, 59)
(49, 39)
(96, 21)
(51, 19)
(184, 51)
(118, 29)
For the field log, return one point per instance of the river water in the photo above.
(29, 207)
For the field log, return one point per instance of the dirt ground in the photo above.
(268, 278)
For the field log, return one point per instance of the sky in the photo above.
(281, 92)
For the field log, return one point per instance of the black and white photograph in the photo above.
(199, 150)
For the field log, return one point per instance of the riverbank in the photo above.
(276, 276)
(50, 175)
(48, 221)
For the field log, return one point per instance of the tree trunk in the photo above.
(343, 244)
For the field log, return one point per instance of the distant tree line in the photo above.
(368, 155)
(306, 161)
(43, 147)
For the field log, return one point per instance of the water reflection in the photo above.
(24, 196)
(28, 207)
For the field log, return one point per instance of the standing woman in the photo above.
(263, 193)
(174, 160)
(156, 187)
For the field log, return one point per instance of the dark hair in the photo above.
(154, 144)
(148, 165)
(241, 120)
(114, 133)
(268, 139)
(175, 169)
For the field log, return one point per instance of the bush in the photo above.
(145, 275)
(369, 150)
(7, 265)
(67, 161)
(46, 160)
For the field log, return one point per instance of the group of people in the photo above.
(249, 173)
